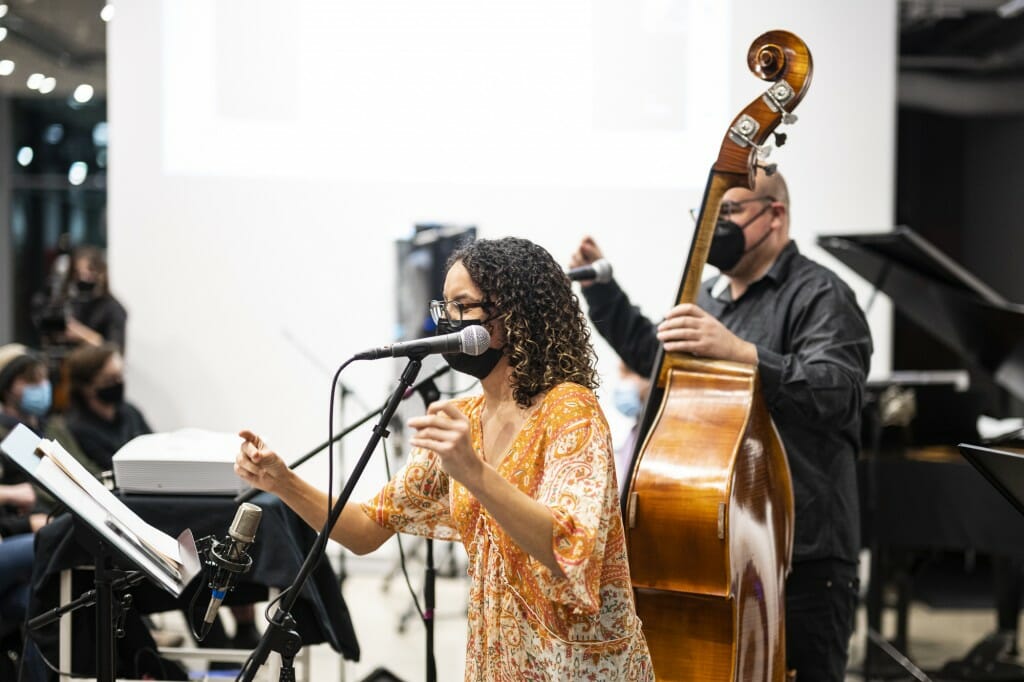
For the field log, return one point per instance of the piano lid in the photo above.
(946, 300)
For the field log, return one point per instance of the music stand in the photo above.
(1003, 469)
(927, 286)
(119, 533)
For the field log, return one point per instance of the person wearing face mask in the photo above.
(95, 316)
(522, 474)
(629, 396)
(25, 398)
(800, 324)
(100, 418)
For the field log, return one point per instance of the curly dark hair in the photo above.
(548, 338)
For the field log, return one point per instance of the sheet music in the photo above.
(64, 474)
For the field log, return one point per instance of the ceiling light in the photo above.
(99, 134)
(53, 133)
(83, 93)
(78, 172)
(48, 84)
(6, 67)
(3, 10)
(25, 156)
(34, 81)
(3, 32)
(107, 13)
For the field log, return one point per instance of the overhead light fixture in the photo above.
(48, 84)
(53, 133)
(34, 81)
(107, 13)
(83, 93)
(1011, 8)
(25, 156)
(100, 136)
(3, 32)
(6, 67)
(3, 10)
(78, 172)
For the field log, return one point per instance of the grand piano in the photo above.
(920, 500)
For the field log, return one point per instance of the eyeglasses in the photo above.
(451, 311)
(728, 208)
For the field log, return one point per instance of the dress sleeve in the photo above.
(578, 486)
(415, 501)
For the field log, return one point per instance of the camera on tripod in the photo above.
(51, 318)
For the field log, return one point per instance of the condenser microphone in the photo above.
(598, 271)
(473, 340)
(229, 559)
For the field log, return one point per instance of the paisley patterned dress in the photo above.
(524, 622)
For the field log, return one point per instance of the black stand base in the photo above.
(990, 660)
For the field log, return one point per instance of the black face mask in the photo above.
(478, 366)
(111, 395)
(728, 246)
(85, 287)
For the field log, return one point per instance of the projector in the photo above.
(183, 462)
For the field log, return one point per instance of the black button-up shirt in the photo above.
(813, 349)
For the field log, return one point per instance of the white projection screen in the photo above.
(265, 156)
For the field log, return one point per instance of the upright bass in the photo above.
(709, 501)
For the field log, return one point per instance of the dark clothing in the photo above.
(100, 439)
(11, 522)
(821, 608)
(813, 348)
(103, 314)
(54, 428)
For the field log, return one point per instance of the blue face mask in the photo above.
(37, 399)
(627, 399)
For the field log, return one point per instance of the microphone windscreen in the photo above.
(475, 340)
(247, 520)
(602, 271)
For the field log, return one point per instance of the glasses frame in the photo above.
(439, 310)
(733, 207)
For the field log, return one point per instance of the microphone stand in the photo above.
(280, 635)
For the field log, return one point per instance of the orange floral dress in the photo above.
(525, 623)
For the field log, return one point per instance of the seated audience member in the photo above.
(26, 397)
(103, 421)
(100, 419)
(17, 524)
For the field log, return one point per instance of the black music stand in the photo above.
(927, 286)
(1003, 469)
(1005, 472)
(92, 504)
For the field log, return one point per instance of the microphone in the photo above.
(473, 340)
(230, 559)
(598, 271)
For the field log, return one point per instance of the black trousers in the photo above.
(821, 605)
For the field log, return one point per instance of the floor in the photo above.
(393, 640)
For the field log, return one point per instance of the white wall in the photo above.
(265, 155)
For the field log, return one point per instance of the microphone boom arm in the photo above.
(253, 492)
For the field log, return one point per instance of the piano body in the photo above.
(919, 497)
